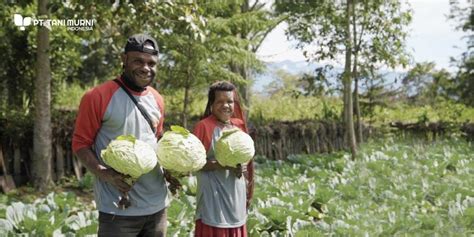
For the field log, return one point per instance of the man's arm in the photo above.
(88, 159)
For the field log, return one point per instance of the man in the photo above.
(106, 112)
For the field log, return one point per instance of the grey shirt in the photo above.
(221, 196)
(107, 112)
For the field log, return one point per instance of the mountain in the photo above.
(393, 78)
(269, 75)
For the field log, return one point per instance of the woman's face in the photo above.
(223, 106)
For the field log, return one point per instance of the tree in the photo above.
(186, 55)
(195, 43)
(198, 55)
(286, 84)
(41, 167)
(379, 33)
(418, 81)
(347, 81)
(250, 23)
(465, 74)
(17, 74)
(378, 93)
(327, 25)
(423, 84)
(375, 31)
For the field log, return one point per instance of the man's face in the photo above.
(140, 67)
(223, 106)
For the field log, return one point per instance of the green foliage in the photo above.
(248, 22)
(174, 104)
(181, 214)
(17, 125)
(464, 79)
(68, 95)
(285, 84)
(329, 111)
(18, 54)
(376, 94)
(377, 28)
(195, 47)
(290, 97)
(285, 107)
(373, 194)
(463, 14)
(442, 110)
(53, 215)
(418, 79)
(364, 33)
(289, 108)
(311, 195)
(423, 85)
(86, 182)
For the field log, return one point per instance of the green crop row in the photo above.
(391, 189)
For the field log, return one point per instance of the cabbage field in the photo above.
(393, 188)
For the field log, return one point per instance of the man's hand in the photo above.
(175, 185)
(116, 179)
(88, 159)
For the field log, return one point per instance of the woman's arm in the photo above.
(214, 165)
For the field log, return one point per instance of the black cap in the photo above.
(142, 43)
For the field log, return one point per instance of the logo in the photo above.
(21, 22)
(70, 24)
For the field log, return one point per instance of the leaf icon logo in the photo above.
(21, 21)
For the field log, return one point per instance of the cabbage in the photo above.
(129, 156)
(234, 147)
(180, 151)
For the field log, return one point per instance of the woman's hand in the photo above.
(239, 170)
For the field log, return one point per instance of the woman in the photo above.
(223, 195)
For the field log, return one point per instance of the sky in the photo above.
(432, 37)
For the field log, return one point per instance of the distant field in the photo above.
(290, 109)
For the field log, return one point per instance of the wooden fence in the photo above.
(275, 140)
